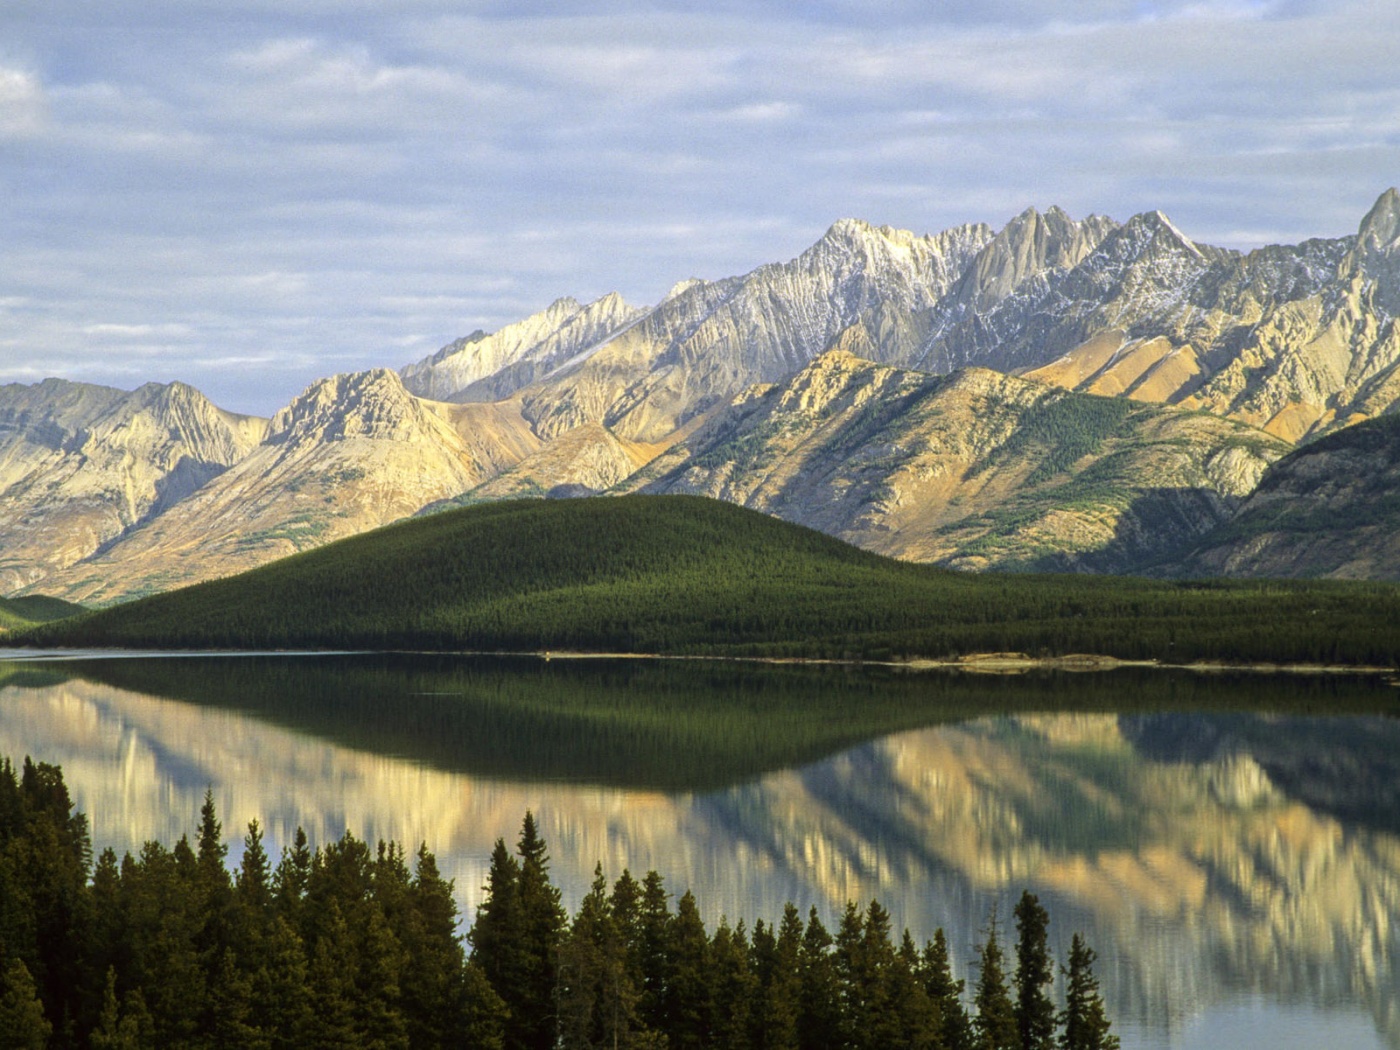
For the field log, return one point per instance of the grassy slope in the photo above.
(690, 575)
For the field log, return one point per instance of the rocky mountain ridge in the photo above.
(894, 389)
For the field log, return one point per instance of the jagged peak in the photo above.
(683, 286)
(376, 399)
(1154, 225)
(1380, 229)
(858, 232)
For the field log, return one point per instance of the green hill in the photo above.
(17, 613)
(696, 576)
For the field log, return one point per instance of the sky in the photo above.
(251, 194)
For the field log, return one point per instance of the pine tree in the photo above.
(379, 962)
(542, 925)
(1035, 972)
(516, 938)
(253, 887)
(282, 995)
(231, 1025)
(331, 983)
(484, 1012)
(290, 878)
(995, 1024)
(779, 976)
(916, 1015)
(496, 934)
(879, 1006)
(23, 1025)
(1085, 1022)
(845, 962)
(945, 994)
(819, 1019)
(432, 985)
(688, 1000)
(654, 951)
(125, 1025)
(733, 987)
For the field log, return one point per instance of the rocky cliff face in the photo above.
(1332, 508)
(81, 464)
(353, 452)
(708, 341)
(1296, 340)
(973, 470)
(484, 367)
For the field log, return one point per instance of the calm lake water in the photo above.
(1229, 843)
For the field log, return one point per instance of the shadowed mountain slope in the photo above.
(972, 470)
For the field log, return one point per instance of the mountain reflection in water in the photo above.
(1220, 840)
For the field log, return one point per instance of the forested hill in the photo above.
(686, 575)
(36, 608)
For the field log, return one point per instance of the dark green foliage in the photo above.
(995, 1026)
(675, 574)
(17, 613)
(953, 1026)
(23, 1025)
(1061, 430)
(1086, 1024)
(1035, 972)
(342, 947)
(688, 1005)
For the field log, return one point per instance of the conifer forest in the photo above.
(349, 945)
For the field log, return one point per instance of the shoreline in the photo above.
(994, 663)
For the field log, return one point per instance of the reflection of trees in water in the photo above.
(1195, 849)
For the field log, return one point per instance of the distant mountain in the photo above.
(353, 452)
(1330, 509)
(946, 444)
(80, 465)
(489, 367)
(971, 470)
(1296, 340)
(708, 341)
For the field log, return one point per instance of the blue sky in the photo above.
(250, 194)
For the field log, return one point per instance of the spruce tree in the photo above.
(124, 1024)
(915, 1014)
(1085, 1021)
(23, 1025)
(541, 917)
(819, 1019)
(688, 994)
(847, 968)
(495, 935)
(1035, 973)
(945, 994)
(332, 986)
(654, 950)
(282, 994)
(432, 984)
(781, 984)
(733, 987)
(995, 1024)
(289, 880)
(484, 1013)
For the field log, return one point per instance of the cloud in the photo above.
(311, 185)
(23, 106)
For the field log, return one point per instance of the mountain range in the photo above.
(1081, 395)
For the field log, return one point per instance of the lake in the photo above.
(1229, 842)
